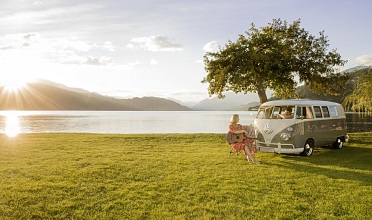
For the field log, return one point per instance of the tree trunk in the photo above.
(261, 91)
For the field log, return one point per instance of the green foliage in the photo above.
(360, 100)
(355, 96)
(177, 176)
(272, 57)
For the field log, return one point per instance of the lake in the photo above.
(135, 122)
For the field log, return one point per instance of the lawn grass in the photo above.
(178, 176)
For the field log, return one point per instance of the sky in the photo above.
(139, 48)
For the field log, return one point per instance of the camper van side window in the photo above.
(318, 112)
(299, 112)
(325, 111)
(304, 112)
(309, 112)
(333, 111)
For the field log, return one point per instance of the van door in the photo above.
(322, 127)
(306, 125)
(329, 138)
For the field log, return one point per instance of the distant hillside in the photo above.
(305, 93)
(41, 96)
(240, 101)
(232, 101)
(248, 107)
(155, 104)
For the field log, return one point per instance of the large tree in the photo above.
(276, 57)
(360, 99)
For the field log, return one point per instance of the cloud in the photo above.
(211, 46)
(364, 60)
(7, 47)
(154, 62)
(98, 60)
(155, 43)
(68, 58)
(31, 36)
(54, 50)
(63, 16)
(134, 63)
(72, 43)
(108, 46)
(35, 39)
(87, 60)
(16, 40)
(130, 46)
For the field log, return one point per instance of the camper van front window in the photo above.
(264, 113)
(275, 112)
(284, 112)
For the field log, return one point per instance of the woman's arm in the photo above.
(239, 130)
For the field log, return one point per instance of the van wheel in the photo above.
(308, 148)
(338, 144)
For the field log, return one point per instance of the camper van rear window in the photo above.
(333, 111)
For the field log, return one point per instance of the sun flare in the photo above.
(12, 127)
(13, 83)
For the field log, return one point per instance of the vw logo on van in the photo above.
(268, 128)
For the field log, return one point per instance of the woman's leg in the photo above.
(250, 155)
(250, 146)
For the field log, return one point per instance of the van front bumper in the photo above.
(278, 148)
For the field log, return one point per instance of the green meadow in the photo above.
(178, 176)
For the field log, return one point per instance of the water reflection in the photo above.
(12, 127)
(13, 123)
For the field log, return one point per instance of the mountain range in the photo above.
(231, 101)
(47, 95)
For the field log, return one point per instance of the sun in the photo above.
(13, 83)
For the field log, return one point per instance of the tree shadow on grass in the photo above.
(351, 163)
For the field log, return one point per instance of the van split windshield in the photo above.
(276, 112)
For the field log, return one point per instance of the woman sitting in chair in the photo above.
(245, 145)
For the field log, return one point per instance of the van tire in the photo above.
(308, 148)
(338, 144)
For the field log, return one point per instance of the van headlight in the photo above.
(285, 136)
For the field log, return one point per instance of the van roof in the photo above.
(298, 102)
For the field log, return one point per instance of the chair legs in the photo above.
(232, 152)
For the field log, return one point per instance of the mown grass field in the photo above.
(178, 176)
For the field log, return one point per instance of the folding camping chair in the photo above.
(232, 138)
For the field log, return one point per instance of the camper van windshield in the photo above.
(275, 112)
(264, 112)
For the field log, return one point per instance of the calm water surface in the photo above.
(119, 122)
(136, 122)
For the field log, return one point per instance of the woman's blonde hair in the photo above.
(234, 119)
